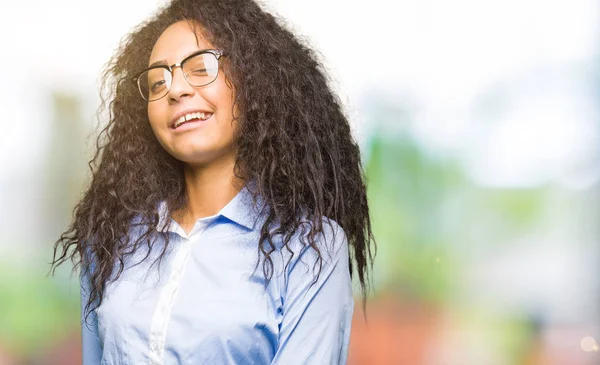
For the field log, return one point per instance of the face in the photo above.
(197, 142)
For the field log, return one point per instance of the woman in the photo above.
(228, 211)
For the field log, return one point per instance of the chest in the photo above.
(198, 304)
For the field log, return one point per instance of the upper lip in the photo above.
(181, 114)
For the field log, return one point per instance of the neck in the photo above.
(209, 188)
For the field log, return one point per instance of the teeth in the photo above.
(190, 116)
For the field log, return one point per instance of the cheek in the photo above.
(154, 116)
(227, 111)
(222, 95)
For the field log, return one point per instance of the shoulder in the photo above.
(331, 239)
(325, 242)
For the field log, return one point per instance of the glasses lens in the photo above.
(201, 69)
(154, 83)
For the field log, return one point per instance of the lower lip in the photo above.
(190, 125)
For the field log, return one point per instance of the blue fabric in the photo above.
(220, 312)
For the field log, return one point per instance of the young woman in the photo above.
(227, 210)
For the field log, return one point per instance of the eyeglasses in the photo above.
(199, 69)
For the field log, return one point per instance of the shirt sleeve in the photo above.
(316, 321)
(91, 348)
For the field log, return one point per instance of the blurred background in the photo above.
(479, 123)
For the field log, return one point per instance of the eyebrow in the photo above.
(164, 62)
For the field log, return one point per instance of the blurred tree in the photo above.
(38, 311)
(66, 165)
(410, 196)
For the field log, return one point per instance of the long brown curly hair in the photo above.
(293, 141)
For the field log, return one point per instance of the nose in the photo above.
(180, 87)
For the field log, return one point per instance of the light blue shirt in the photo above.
(205, 303)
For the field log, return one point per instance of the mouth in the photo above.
(190, 118)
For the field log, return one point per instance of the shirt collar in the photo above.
(241, 210)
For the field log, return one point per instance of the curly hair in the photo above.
(293, 141)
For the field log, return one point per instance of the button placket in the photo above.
(162, 312)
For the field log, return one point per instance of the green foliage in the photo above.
(409, 194)
(35, 309)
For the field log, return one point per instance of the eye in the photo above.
(198, 72)
(157, 86)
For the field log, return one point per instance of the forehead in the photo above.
(177, 41)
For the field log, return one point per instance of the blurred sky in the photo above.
(443, 59)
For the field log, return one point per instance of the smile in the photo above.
(191, 117)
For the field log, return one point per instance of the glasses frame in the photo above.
(215, 52)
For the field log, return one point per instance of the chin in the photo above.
(200, 158)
